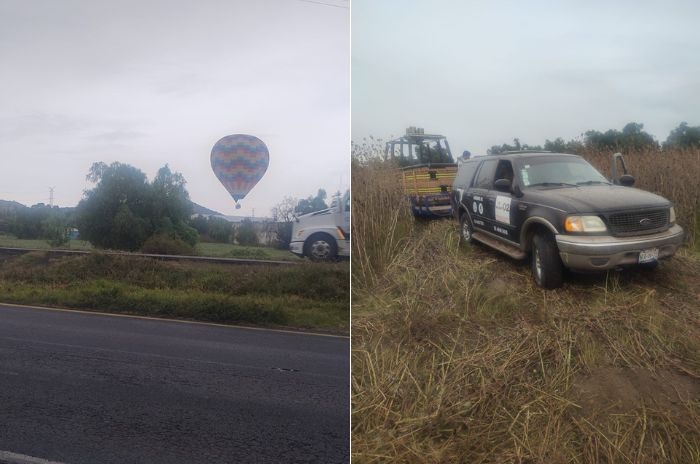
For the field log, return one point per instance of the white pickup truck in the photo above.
(323, 235)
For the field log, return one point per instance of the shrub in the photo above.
(167, 245)
(245, 233)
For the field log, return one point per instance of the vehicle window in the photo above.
(485, 178)
(558, 170)
(504, 170)
(465, 174)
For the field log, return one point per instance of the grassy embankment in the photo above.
(313, 296)
(459, 357)
(219, 250)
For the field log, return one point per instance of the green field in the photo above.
(227, 250)
(9, 241)
(218, 250)
(306, 296)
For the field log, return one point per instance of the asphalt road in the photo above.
(84, 388)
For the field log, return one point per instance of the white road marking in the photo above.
(15, 458)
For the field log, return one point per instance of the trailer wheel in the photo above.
(320, 247)
(547, 268)
(466, 231)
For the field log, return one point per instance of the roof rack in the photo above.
(517, 152)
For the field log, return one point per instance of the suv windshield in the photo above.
(558, 171)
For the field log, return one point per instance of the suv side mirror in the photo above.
(502, 185)
(626, 180)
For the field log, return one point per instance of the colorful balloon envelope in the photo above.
(239, 162)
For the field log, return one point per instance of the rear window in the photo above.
(465, 174)
(484, 179)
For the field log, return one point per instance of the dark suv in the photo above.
(562, 212)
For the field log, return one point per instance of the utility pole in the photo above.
(51, 189)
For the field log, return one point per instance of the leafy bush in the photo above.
(245, 233)
(165, 244)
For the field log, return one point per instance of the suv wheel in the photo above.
(466, 230)
(320, 247)
(546, 264)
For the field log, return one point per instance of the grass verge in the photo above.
(227, 250)
(216, 250)
(306, 296)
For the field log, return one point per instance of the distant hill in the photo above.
(199, 209)
(10, 204)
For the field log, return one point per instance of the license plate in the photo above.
(648, 256)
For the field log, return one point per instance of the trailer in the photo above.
(427, 171)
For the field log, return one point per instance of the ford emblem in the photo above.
(645, 222)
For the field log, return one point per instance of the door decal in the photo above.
(503, 209)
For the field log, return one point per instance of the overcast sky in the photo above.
(483, 72)
(155, 82)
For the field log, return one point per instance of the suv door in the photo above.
(479, 206)
(459, 195)
(500, 218)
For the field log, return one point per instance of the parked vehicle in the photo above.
(561, 212)
(323, 235)
(427, 171)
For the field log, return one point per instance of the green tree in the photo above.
(123, 209)
(517, 146)
(41, 222)
(283, 215)
(683, 136)
(213, 229)
(632, 137)
(557, 145)
(245, 233)
(55, 229)
(312, 204)
(219, 230)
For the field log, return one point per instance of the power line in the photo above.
(325, 4)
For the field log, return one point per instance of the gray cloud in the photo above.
(484, 72)
(150, 83)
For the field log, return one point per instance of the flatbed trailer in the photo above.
(428, 188)
(427, 171)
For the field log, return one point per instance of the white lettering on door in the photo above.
(503, 209)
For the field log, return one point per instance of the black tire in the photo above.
(320, 247)
(466, 231)
(547, 268)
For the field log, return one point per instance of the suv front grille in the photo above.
(638, 222)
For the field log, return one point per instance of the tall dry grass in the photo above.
(458, 357)
(674, 174)
(381, 219)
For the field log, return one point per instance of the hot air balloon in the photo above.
(239, 161)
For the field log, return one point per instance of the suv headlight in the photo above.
(672, 216)
(584, 224)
